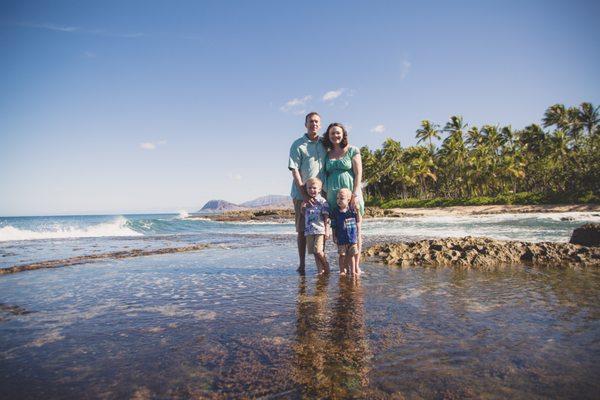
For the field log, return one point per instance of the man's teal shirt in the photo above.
(308, 157)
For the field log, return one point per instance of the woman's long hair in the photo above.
(327, 143)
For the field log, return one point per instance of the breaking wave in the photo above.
(117, 227)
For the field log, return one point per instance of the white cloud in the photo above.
(152, 145)
(339, 97)
(378, 129)
(75, 29)
(297, 105)
(405, 68)
(333, 94)
(234, 177)
(52, 27)
(148, 146)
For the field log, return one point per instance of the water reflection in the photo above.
(332, 352)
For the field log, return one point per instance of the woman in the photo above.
(343, 169)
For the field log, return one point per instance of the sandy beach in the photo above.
(497, 209)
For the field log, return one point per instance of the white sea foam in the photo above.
(183, 214)
(117, 227)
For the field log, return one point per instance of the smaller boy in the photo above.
(345, 224)
(316, 226)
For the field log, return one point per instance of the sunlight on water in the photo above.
(239, 321)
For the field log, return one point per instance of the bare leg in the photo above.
(351, 260)
(318, 264)
(324, 263)
(342, 264)
(357, 256)
(301, 251)
(321, 261)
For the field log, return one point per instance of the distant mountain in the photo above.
(220, 205)
(270, 201)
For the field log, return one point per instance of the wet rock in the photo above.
(13, 309)
(586, 235)
(90, 258)
(481, 252)
(567, 219)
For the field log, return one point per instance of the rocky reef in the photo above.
(65, 262)
(482, 253)
(272, 215)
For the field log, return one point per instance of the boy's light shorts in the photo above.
(315, 243)
(348, 249)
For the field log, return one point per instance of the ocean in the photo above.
(34, 239)
(234, 320)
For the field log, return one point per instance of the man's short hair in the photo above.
(313, 180)
(310, 114)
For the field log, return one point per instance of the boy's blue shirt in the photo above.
(345, 226)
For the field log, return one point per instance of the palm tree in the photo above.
(589, 117)
(427, 132)
(474, 137)
(455, 125)
(532, 139)
(453, 156)
(556, 115)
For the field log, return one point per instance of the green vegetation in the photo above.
(556, 163)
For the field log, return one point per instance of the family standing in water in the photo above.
(326, 190)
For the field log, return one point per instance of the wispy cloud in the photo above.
(89, 54)
(152, 145)
(333, 94)
(378, 129)
(338, 97)
(76, 29)
(297, 105)
(234, 177)
(405, 68)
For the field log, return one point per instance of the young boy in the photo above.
(316, 224)
(345, 224)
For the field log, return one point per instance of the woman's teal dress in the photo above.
(340, 175)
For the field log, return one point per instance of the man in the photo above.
(307, 160)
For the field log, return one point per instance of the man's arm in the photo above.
(300, 185)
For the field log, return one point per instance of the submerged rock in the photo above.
(482, 253)
(586, 235)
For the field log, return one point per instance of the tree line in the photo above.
(559, 160)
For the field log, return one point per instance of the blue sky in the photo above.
(142, 106)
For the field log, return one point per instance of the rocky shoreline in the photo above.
(482, 253)
(283, 215)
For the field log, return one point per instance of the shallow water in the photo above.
(235, 322)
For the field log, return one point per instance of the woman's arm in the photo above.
(357, 170)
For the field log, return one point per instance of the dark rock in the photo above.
(586, 235)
